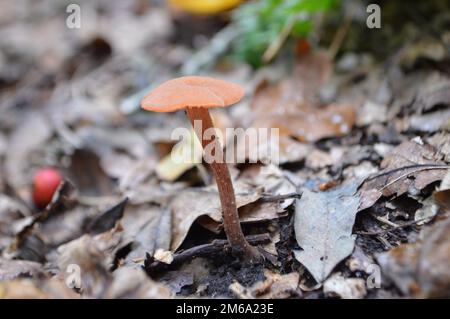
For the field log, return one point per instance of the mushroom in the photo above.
(196, 94)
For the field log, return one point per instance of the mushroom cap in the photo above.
(192, 91)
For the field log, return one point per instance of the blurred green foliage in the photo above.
(260, 22)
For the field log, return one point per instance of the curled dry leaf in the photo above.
(409, 167)
(147, 228)
(108, 219)
(28, 244)
(192, 203)
(94, 255)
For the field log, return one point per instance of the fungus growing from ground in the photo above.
(196, 95)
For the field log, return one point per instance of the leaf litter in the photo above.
(362, 178)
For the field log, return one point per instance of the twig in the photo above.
(384, 241)
(385, 231)
(276, 45)
(384, 220)
(340, 34)
(274, 198)
(409, 173)
(153, 266)
(429, 166)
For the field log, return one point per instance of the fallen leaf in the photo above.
(421, 269)
(36, 289)
(131, 283)
(323, 228)
(399, 266)
(430, 122)
(409, 167)
(94, 255)
(148, 228)
(12, 269)
(433, 271)
(108, 219)
(442, 195)
(192, 203)
(426, 213)
(275, 286)
(184, 156)
(176, 280)
(87, 174)
(309, 124)
(33, 131)
(345, 288)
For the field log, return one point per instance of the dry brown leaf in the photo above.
(309, 124)
(190, 204)
(421, 268)
(409, 167)
(94, 255)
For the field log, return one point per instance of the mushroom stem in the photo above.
(225, 186)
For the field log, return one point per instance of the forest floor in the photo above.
(357, 206)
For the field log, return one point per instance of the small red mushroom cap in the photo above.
(192, 91)
(46, 181)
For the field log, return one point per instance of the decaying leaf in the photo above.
(421, 268)
(53, 288)
(134, 283)
(184, 156)
(442, 195)
(409, 167)
(108, 219)
(433, 271)
(94, 255)
(345, 288)
(323, 228)
(11, 269)
(27, 138)
(87, 174)
(275, 286)
(193, 203)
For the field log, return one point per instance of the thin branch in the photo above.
(153, 266)
(430, 166)
(385, 231)
(275, 198)
(276, 45)
(409, 173)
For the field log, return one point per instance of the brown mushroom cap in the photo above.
(192, 91)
